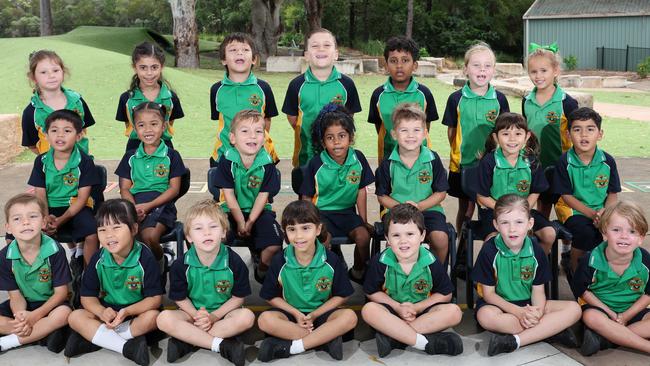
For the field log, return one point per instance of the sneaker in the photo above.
(55, 342)
(335, 348)
(78, 345)
(566, 338)
(384, 344)
(233, 350)
(502, 343)
(272, 348)
(353, 278)
(592, 342)
(444, 343)
(137, 351)
(177, 349)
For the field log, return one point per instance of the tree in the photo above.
(46, 18)
(409, 19)
(314, 11)
(266, 26)
(186, 38)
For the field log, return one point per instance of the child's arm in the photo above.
(125, 186)
(235, 210)
(592, 300)
(439, 185)
(48, 220)
(434, 199)
(17, 301)
(59, 296)
(256, 210)
(233, 303)
(575, 204)
(293, 121)
(362, 204)
(487, 202)
(387, 201)
(431, 300)
(640, 304)
(280, 303)
(331, 304)
(77, 205)
(491, 297)
(267, 124)
(532, 200)
(451, 134)
(538, 297)
(270, 187)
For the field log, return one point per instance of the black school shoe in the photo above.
(593, 342)
(177, 349)
(273, 348)
(386, 344)
(566, 338)
(334, 348)
(444, 343)
(78, 345)
(502, 343)
(233, 350)
(56, 341)
(137, 351)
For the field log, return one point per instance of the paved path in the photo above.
(634, 112)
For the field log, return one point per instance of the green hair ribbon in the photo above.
(534, 47)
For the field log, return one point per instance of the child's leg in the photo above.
(437, 318)
(234, 323)
(267, 238)
(439, 244)
(494, 319)
(338, 323)
(465, 211)
(91, 245)
(84, 322)
(179, 324)
(558, 315)
(266, 256)
(546, 238)
(361, 237)
(278, 325)
(151, 237)
(381, 319)
(544, 208)
(618, 333)
(56, 319)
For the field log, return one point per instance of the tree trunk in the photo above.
(314, 11)
(352, 25)
(46, 18)
(266, 26)
(409, 18)
(186, 38)
(365, 34)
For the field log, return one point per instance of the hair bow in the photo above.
(534, 47)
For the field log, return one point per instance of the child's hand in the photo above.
(596, 216)
(20, 325)
(119, 319)
(241, 229)
(202, 319)
(622, 319)
(141, 209)
(248, 227)
(407, 311)
(305, 321)
(50, 225)
(413, 203)
(108, 315)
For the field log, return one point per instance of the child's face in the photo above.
(148, 70)
(336, 141)
(206, 233)
(512, 140)
(409, 134)
(585, 135)
(480, 69)
(117, 238)
(62, 135)
(404, 239)
(149, 127)
(321, 51)
(248, 137)
(400, 66)
(621, 236)
(302, 236)
(25, 221)
(239, 57)
(541, 72)
(513, 226)
(48, 75)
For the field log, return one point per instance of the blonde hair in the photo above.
(476, 48)
(24, 199)
(245, 115)
(628, 210)
(207, 208)
(410, 111)
(509, 202)
(553, 58)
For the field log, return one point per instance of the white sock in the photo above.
(297, 347)
(216, 341)
(420, 342)
(124, 330)
(518, 341)
(8, 342)
(109, 339)
(79, 250)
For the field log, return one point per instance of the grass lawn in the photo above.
(102, 74)
(628, 98)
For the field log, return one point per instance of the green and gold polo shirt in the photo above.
(497, 177)
(150, 173)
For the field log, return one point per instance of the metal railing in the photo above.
(620, 59)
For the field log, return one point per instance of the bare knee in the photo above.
(245, 318)
(165, 320)
(370, 310)
(77, 318)
(348, 317)
(452, 313)
(265, 321)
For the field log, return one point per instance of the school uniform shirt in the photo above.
(262, 176)
(306, 96)
(403, 184)
(497, 177)
(151, 173)
(306, 288)
(228, 97)
(473, 116)
(34, 115)
(589, 183)
(209, 286)
(62, 186)
(513, 275)
(131, 99)
(618, 292)
(122, 284)
(427, 277)
(382, 104)
(549, 123)
(36, 281)
(335, 186)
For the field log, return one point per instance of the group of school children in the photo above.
(407, 286)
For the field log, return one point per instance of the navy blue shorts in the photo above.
(487, 218)
(638, 317)
(80, 225)
(480, 303)
(341, 223)
(266, 230)
(585, 235)
(5, 309)
(317, 322)
(455, 186)
(434, 221)
(165, 214)
(426, 310)
(133, 144)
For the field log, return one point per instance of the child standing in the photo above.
(321, 84)
(240, 89)
(335, 181)
(63, 178)
(34, 271)
(401, 55)
(510, 166)
(305, 286)
(414, 174)
(47, 73)
(587, 179)
(150, 176)
(409, 291)
(120, 290)
(148, 85)
(546, 108)
(249, 180)
(510, 273)
(611, 283)
(469, 116)
(209, 285)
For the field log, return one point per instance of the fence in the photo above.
(620, 59)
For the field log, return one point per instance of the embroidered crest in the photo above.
(69, 179)
(552, 117)
(255, 100)
(353, 177)
(323, 284)
(222, 286)
(44, 274)
(254, 182)
(161, 170)
(133, 283)
(338, 99)
(636, 284)
(491, 115)
(424, 177)
(526, 273)
(523, 186)
(421, 286)
(601, 181)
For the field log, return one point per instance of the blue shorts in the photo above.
(585, 235)
(266, 231)
(165, 214)
(426, 310)
(434, 221)
(80, 225)
(5, 308)
(487, 218)
(638, 317)
(456, 186)
(341, 223)
(317, 322)
(480, 303)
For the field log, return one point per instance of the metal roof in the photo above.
(544, 9)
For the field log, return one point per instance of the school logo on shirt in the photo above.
(161, 170)
(222, 286)
(338, 99)
(255, 100)
(324, 284)
(523, 186)
(254, 182)
(69, 179)
(424, 177)
(44, 275)
(491, 115)
(526, 273)
(133, 283)
(601, 181)
(421, 286)
(552, 117)
(636, 284)
(353, 177)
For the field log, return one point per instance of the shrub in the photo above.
(372, 48)
(570, 62)
(424, 52)
(643, 69)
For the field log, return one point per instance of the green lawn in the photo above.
(101, 76)
(629, 98)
